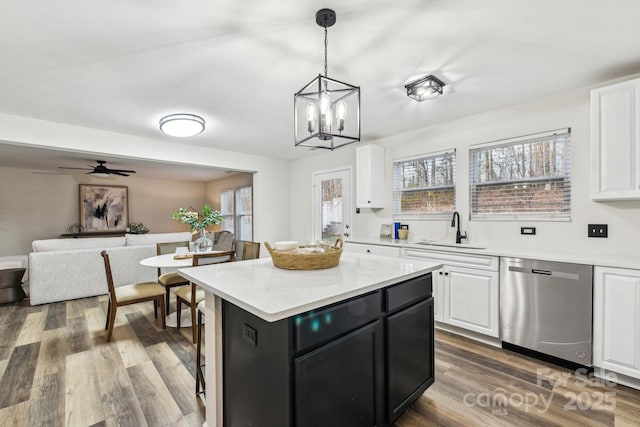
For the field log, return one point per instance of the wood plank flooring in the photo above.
(56, 369)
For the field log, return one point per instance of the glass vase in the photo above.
(203, 243)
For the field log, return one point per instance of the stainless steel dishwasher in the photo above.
(547, 307)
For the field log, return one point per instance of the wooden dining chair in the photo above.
(130, 294)
(173, 279)
(246, 249)
(192, 295)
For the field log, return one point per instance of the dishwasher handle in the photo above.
(556, 274)
(545, 272)
(530, 270)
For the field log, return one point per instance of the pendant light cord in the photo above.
(326, 44)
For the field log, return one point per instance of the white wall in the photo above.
(270, 180)
(560, 111)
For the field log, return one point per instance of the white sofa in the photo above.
(64, 269)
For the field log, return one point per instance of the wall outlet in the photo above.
(529, 231)
(598, 230)
(250, 334)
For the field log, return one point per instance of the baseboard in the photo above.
(622, 379)
(494, 342)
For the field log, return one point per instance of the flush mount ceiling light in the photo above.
(326, 111)
(182, 125)
(425, 88)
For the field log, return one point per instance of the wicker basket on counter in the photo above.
(294, 260)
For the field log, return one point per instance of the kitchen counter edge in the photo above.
(602, 260)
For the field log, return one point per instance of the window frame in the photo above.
(564, 133)
(423, 215)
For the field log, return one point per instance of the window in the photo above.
(226, 209)
(244, 213)
(522, 178)
(237, 207)
(424, 186)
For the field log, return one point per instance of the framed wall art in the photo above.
(103, 208)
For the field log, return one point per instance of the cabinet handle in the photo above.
(368, 251)
(446, 274)
(440, 273)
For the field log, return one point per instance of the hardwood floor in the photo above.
(56, 368)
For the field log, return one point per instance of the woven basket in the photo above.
(293, 260)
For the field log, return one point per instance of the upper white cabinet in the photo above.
(615, 141)
(616, 320)
(370, 176)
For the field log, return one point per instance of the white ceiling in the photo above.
(121, 65)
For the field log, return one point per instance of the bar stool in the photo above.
(199, 363)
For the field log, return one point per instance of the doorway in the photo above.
(332, 204)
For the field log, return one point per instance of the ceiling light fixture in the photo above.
(326, 111)
(425, 88)
(182, 125)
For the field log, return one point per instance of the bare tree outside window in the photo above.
(331, 209)
(530, 176)
(425, 185)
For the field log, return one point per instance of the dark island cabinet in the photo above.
(357, 363)
(409, 366)
(338, 384)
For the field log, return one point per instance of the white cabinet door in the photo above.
(471, 300)
(615, 141)
(465, 290)
(370, 176)
(617, 320)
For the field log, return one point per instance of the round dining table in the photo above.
(169, 261)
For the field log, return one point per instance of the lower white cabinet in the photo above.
(465, 290)
(363, 248)
(616, 320)
(471, 300)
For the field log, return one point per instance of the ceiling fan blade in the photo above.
(84, 169)
(118, 173)
(120, 170)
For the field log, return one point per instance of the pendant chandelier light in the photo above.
(326, 111)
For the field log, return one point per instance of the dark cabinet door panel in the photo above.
(410, 362)
(338, 385)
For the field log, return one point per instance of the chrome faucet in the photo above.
(459, 236)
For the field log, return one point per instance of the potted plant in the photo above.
(200, 222)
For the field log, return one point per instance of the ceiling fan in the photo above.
(101, 170)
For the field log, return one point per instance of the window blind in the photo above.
(523, 178)
(424, 186)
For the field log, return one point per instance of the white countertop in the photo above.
(605, 259)
(272, 293)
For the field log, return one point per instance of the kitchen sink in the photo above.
(450, 245)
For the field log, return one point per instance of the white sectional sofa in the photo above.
(64, 269)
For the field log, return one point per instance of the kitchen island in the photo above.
(350, 345)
